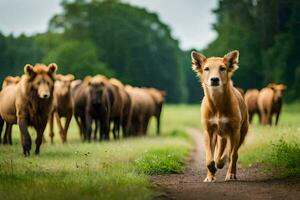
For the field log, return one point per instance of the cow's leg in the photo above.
(1, 128)
(67, 125)
(51, 128)
(88, 126)
(7, 134)
(39, 137)
(26, 139)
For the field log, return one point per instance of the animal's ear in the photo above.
(28, 70)
(197, 61)
(58, 77)
(71, 77)
(52, 68)
(283, 87)
(88, 79)
(231, 60)
(272, 86)
(163, 93)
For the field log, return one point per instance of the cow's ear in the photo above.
(197, 61)
(28, 70)
(272, 86)
(71, 77)
(231, 60)
(58, 77)
(52, 68)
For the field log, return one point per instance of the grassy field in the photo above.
(277, 148)
(122, 168)
(98, 170)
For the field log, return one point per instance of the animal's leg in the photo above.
(221, 154)
(68, 120)
(96, 129)
(61, 129)
(277, 118)
(7, 134)
(1, 128)
(26, 139)
(51, 129)
(88, 126)
(39, 137)
(234, 140)
(209, 143)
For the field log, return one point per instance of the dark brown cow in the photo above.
(92, 102)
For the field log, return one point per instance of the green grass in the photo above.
(275, 148)
(94, 171)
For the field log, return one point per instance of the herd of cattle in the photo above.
(97, 103)
(265, 103)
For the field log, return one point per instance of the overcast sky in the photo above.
(190, 20)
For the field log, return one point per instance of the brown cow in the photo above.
(29, 103)
(270, 102)
(143, 107)
(9, 80)
(92, 102)
(251, 102)
(62, 105)
(125, 105)
(159, 98)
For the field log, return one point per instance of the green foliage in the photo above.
(286, 156)
(133, 42)
(267, 34)
(78, 58)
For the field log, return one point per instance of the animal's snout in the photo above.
(45, 96)
(215, 81)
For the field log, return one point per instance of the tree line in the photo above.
(120, 40)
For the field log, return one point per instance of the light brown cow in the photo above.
(62, 105)
(270, 102)
(29, 103)
(9, 80)
(223, 110)
(251, 102)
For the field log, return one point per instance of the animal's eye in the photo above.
(206, 69)
(222, 68)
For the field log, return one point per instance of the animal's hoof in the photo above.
(212, 168)
(27, 148)
(230, 177)
(209, 179)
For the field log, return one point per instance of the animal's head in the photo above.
(278, 89)
(96, 86)
(63, 83)
(11, 80)
(215, 71)
(41, 79)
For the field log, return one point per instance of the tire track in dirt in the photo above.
(252, 183)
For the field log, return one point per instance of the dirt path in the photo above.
(252, 183)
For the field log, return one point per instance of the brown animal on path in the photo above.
(29, 103)
(223, 112)
(9, 80)
(251, 102)
(159, 98)
(62, 105)
(125, 105)
(270, 102)
(92, 103)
